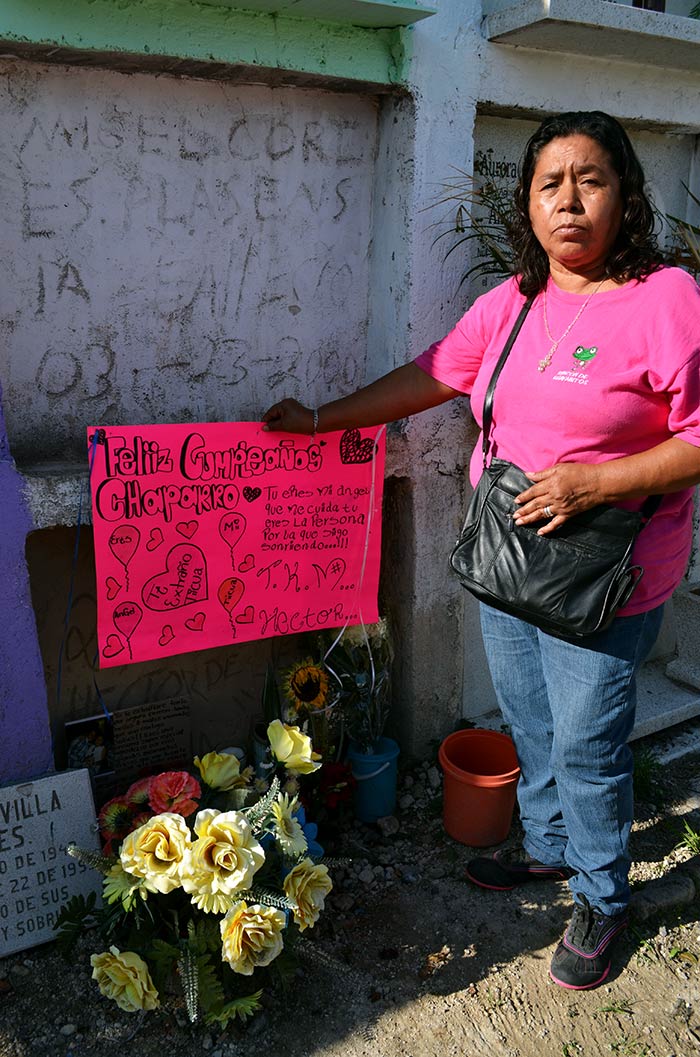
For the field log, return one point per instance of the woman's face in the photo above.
(575, 204)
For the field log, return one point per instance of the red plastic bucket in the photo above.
(481, 776)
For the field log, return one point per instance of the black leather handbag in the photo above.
(569, 583)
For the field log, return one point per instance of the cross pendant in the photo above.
(544, 364)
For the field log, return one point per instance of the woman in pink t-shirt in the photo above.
(599, 402)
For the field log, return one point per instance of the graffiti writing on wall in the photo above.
(180, 250)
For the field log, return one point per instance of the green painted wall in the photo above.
(202, 32)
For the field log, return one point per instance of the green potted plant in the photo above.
(479, 216)
(686, 253)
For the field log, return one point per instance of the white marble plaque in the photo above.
(37, 876)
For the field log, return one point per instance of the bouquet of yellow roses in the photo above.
(203, 881)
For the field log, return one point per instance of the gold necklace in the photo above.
(556, 342)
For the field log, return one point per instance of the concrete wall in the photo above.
(25, 745)
(190, 250)
(170, 242)
(171, 245)
(205, 39)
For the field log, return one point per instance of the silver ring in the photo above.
(548, 511)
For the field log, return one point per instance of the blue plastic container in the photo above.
(375, 773)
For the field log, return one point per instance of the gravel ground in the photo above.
(409, 960)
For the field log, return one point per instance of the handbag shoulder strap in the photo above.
(651, 503)
(488, 399)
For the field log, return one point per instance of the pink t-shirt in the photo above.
(634, 383)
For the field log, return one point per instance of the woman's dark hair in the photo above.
(634, 254)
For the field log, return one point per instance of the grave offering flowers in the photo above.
(306, 687)
(207, 882)
(359, 665)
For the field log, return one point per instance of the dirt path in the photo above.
(471, 978)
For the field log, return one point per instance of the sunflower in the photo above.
(306, 685)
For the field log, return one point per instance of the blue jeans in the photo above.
(571, 711)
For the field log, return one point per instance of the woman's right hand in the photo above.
(289, 416)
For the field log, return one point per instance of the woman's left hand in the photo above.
(558, 492)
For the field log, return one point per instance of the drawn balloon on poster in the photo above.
(127, 618)
(123, 543)
(230, 593)
(231, 528)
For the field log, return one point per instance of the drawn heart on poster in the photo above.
(251, 494)
(113, 646)
(247, 564)
(353, 449)
(333, 571)
(155, 539)
(113, 588)
(247, 616)
(196, 623)
(182, 583)
(167, 635)
(187, 528)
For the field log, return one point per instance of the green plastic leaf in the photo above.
(268, 897)
(211, 991)
(77, 914)
(242, 1007)
(257, 814)
(94, 859)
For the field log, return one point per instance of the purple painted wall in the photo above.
(25, 737)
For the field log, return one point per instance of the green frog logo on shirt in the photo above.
(584, 356)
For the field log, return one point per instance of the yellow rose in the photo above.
(126, 979)
(307, 885)
(222, 860)
(155, 851)
(251, 936)
(220, 770)
(292, 748)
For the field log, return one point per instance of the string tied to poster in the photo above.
(96, 438)
(358, 592)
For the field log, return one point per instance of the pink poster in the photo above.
(219, 533)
